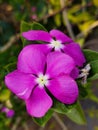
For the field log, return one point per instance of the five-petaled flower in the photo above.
(37, 74)
(56, 41)
(46, 69)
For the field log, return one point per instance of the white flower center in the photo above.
(56, 44)
(42, 80)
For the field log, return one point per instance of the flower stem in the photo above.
(60, 122)
(14, 127)
(66, 20)
(11, 41)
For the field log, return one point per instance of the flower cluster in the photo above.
(46, 69)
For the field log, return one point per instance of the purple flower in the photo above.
(9, 112)
(57, 41)
(37, 74)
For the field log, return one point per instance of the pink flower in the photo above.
(57, 41)
(9, 112)
(34, 16)
(38, 74)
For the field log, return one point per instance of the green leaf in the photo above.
(92, 59)
(74, 111)
(82, 90)
(10, 67)
(37, 26)
(29, 26)
(90, 55)
(94, 70)
(94, 66)
(92, 96)
(95, 2)
(4, 94)
(23, 28)
(59, 107)
(57, 19)
(42, 121)
(76, 114)
(94, 77)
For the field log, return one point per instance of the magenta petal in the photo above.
(74, 50)
(39, 103)
(42, 47)
(64, 88)
(10, 113)
(20, 83)
(37, 35)
(75, 73)
(60, 36)
(31, 60)
(58, 62)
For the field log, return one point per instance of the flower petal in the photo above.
(31, 60)
(42, 47)
(58, 62)
(10, 113)
(37, 35)
(60, 36)
(38, 103)
(74, 50)
(64, 88)
(75, 73)
(20, 83)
